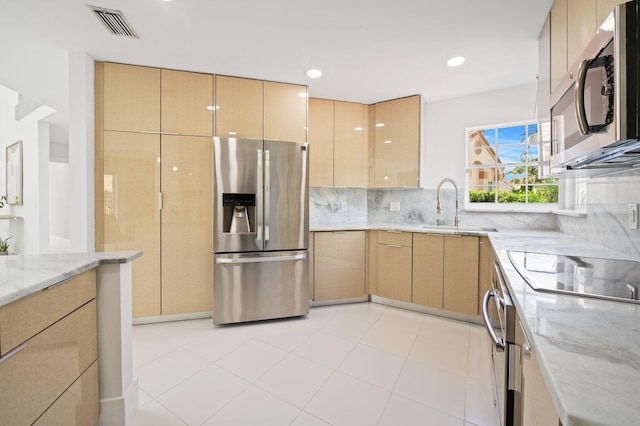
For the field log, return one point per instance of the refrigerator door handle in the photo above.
(260, 259)
(259, 198)
(267, 194)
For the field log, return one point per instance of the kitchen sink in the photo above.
(453, 229)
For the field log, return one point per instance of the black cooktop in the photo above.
(578, 275)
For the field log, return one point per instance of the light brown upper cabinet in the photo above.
(321, 114)
(558, 42)
(573, 24)
(351, 149)
(131, 98)
(256, 109)
(604, 8)
(144, 99)
(285, 112)
(239, 104)
(581, 27)
(187, 103)
(397, 143)
(339, 262)
(339, 144)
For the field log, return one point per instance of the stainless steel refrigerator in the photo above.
(261, 230)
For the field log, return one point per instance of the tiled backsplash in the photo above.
(417, 206)
(606, 219)
(605, 222)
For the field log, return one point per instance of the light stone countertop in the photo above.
(461, 230)
(22, 275)
(588, 349)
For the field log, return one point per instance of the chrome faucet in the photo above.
(456, 220)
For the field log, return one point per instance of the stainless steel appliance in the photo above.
(261, 230)
(579, 275)
(595, 117)
(501, 320)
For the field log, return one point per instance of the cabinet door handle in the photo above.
(12, 352)
(393, 245)
(148, 132)
(394, 232)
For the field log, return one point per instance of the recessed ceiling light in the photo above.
(457, 61)
(314, 73)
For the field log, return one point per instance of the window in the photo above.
(502, 168)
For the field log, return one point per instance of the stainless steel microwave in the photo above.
(595, 113)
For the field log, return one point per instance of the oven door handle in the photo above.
(498, 342)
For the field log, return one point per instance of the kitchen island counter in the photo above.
(22, 275)
(588, 349)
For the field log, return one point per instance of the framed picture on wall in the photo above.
(14, 173)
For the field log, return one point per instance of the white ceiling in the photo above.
(368, 50)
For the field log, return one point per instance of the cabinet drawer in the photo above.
(36, 374)
(395, 238)
(78, 405)
(24, 318)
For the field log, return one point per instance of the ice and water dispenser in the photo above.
(239, 213)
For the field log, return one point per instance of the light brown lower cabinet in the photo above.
(428, 270)
(339, 265)
(41, 369)
(395, 257)
(78, 405)
(461, 274)
(538, 407)
(486, 257)
(445, 272)
(158, 199)
(186, 225)
(130, 211)
(312, 283)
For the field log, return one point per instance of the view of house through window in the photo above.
(502, 166)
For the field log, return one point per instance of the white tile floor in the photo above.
(359, 364)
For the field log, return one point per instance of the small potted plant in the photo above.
(4, 245)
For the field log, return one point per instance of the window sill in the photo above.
(571, 213)
(503, 208)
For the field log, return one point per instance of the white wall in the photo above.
(444, 138)
(31, 233)
(81, 152)
(59, 200)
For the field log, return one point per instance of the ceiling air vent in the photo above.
(114, 21)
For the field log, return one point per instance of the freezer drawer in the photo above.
(259, 286)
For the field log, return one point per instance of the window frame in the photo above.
(505, 207)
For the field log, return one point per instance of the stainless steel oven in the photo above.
(501, 320)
